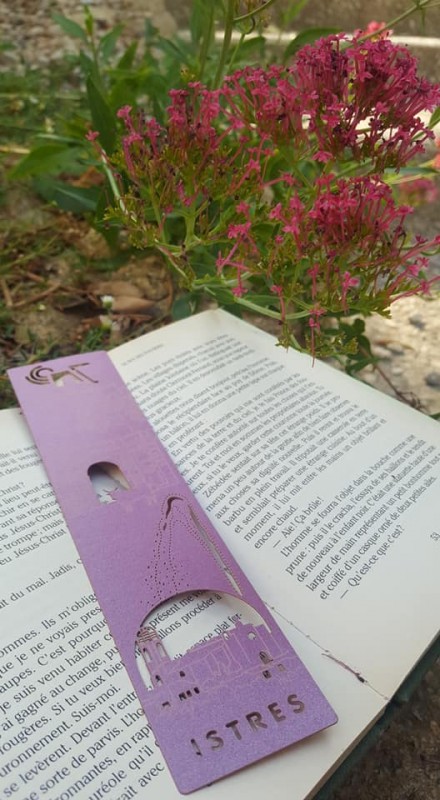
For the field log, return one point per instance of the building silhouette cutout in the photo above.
(247, 651)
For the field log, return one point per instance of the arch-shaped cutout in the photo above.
(185, 622)
(107, 479)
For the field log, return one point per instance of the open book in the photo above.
(325, 493)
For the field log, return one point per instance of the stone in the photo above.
(433, 379)
(418, 321)
(381, 352)
(396, 349)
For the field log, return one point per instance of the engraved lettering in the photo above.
(233, 726)
(255, 720)
(276, 712)
(297, 705)
(216, 741)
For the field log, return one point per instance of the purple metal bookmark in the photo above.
(226, 702)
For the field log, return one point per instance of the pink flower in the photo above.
(239, 231)
(124, 113)
(348, 282)
(278, 290)
(315, 313)
(322, 156)
(378, 28)
(328, 244)
(276, 212)
(314, 272)
(419, 190)
(243, 208)
(369, 80)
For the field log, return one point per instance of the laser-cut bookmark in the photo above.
(228, 701)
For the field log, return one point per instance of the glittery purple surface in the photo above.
(227, 702)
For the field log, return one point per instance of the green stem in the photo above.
(420, 6)
(266, 312)
(95, 59)
(167, 255)
(353, 167)
(190, 223)
(255, 12)
(206, 42)
(43, 95)
(236, 50)
(227, 36)
(225, 282)
(114, 187)
(155, 207)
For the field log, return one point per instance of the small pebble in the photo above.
(396, 349)
(433, 379)
(418, 321)
(381, 352)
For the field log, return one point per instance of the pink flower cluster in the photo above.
(349, 237)
(363, 101)
(257, 168)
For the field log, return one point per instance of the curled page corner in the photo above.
(238, 694)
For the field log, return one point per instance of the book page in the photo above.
(323, 488)
(70, 722)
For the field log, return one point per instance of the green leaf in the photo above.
(103, 118)
(183, 306)
(200, 18)
(264, 231)
(176, 49)
(409, 171)
(108, 42)
(306, 37)
(357, 365)
(223, 296)
(435, 117)
(88, 67)
(263, 300)
(235, 310)
(74, 199)
(150, 32)
(122, 93)
(293, 10)
(248, 46)
(47, 158)
(109, 229)
(53, 137)
(70, 27)
(89, 21)
(127, 58)
(110, 234)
